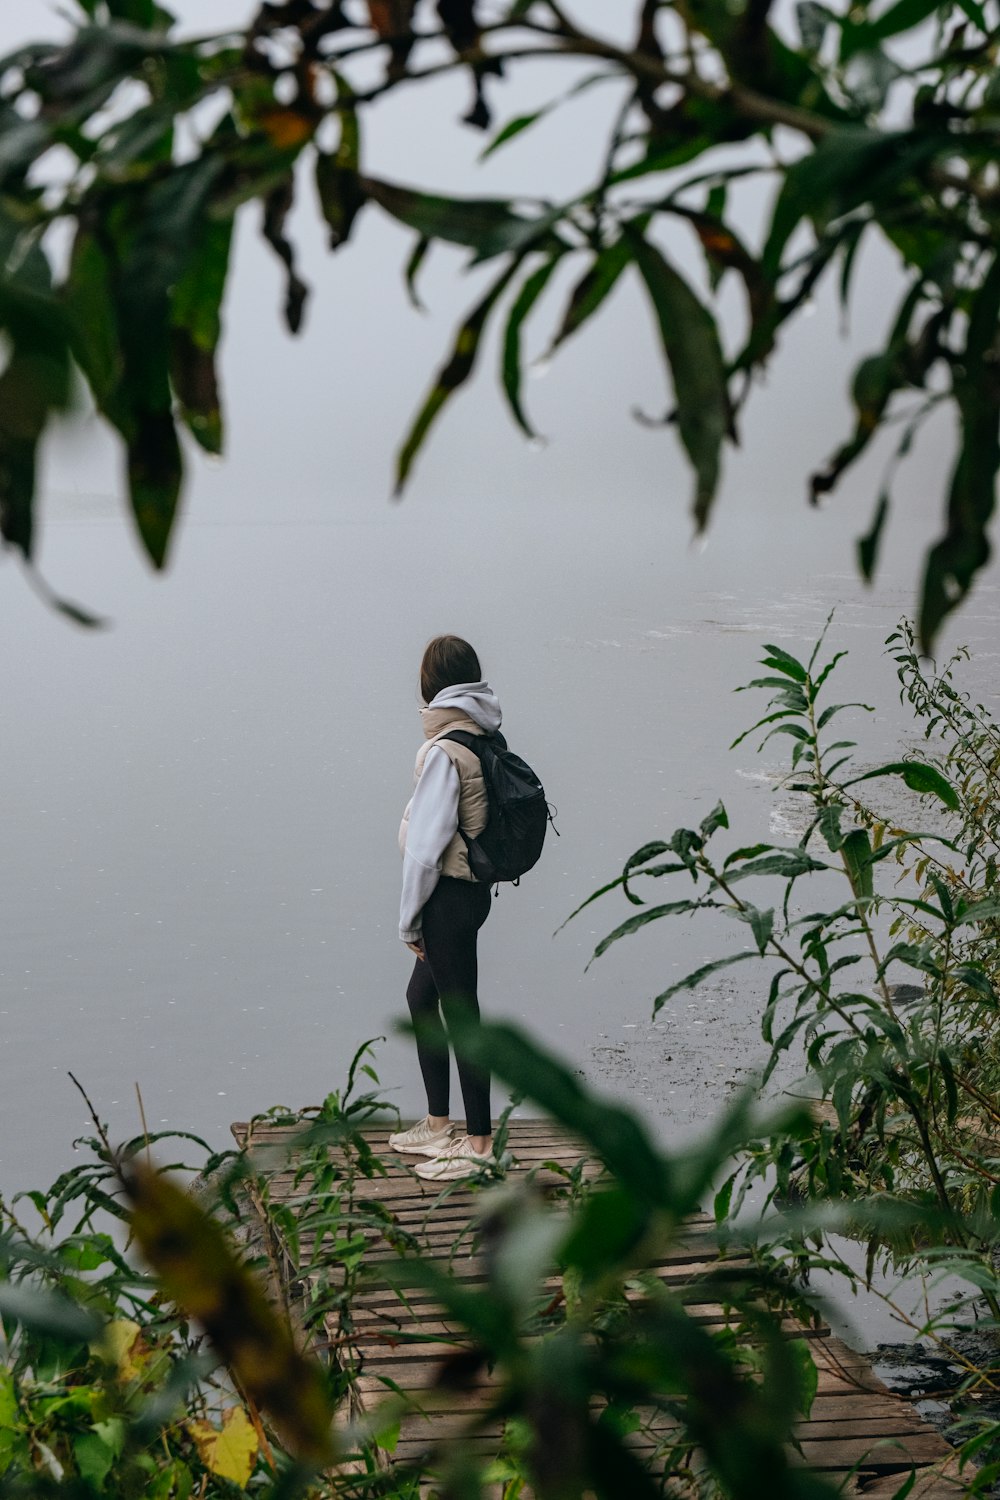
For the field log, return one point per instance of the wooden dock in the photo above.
(859, 1434)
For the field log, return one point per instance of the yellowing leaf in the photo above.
(285, 127)
(231, 1452)
(120, 1344)
(199, 1269)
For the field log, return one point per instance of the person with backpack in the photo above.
(443, 904)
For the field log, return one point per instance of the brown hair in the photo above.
(447, 660)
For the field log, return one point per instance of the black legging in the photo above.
(445, 981)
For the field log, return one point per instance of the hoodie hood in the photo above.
(463, 700)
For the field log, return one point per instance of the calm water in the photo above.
(199, 871)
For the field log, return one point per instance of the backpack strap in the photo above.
(474, 742)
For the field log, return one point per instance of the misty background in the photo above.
(199, 873)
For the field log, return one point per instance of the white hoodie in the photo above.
(433, 809)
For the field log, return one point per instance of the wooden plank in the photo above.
(857, 1431)
(943, 1481)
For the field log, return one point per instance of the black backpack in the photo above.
(518, 812)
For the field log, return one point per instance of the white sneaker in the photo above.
(423, 1138)
(457, 1159)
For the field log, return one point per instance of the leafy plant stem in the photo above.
(987, 1103)
(823, 794)
(785, 954)
(925, 1329)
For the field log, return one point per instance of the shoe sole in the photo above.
(418, 1150)
(471, 1171)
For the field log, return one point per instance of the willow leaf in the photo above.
(918, 776)
(693, 980)
(693, 353)
(650, 914)
(533, 287)
(591, 290)
(454, 373)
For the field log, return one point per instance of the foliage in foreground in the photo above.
(118, 1382)
(879, 943)
(865, 121)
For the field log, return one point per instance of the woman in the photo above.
(443, 906)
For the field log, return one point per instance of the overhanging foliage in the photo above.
(868, 120)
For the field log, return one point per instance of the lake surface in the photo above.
(199, 872)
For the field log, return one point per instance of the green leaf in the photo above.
(788, 863)
(643, 855)
(47, 1313)
(14, 1441)
(785, 713)
(717, 818)
(918, 776)
(856, 852)
(849, 167)
(93, 318)
(834, 709)
(917, 956)
(196, 326)
(780, 660)
(828, 824)
(33, 384)
(614, 1134)
(454, 373)
(21, 142)
(512, 129)
(954, 561)
(154, 475)
(35, 381)
(487, 1319)
(876, 381)
(785, 692)
(868, 545)
(866, 35)
(144, 138)
(490, 226)
(698, 976)
(974, 978)
(981, 911)
(520, 123)
(338, 181)
(761, 924)
(532, 288)
(813, 21)
(591, 290)
(749, 851)
(694, 359)
(79, 77)
(607, 1227)
(341, 197)
(723, 1199)
(641, 919)
(661, 158)
(158, 234)
(831, 666)
(93, 1458)
(807, 1372)
(145, 13)
(686, 844)
(277, 206)
(413, 265)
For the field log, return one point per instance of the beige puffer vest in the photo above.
(473, 807)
